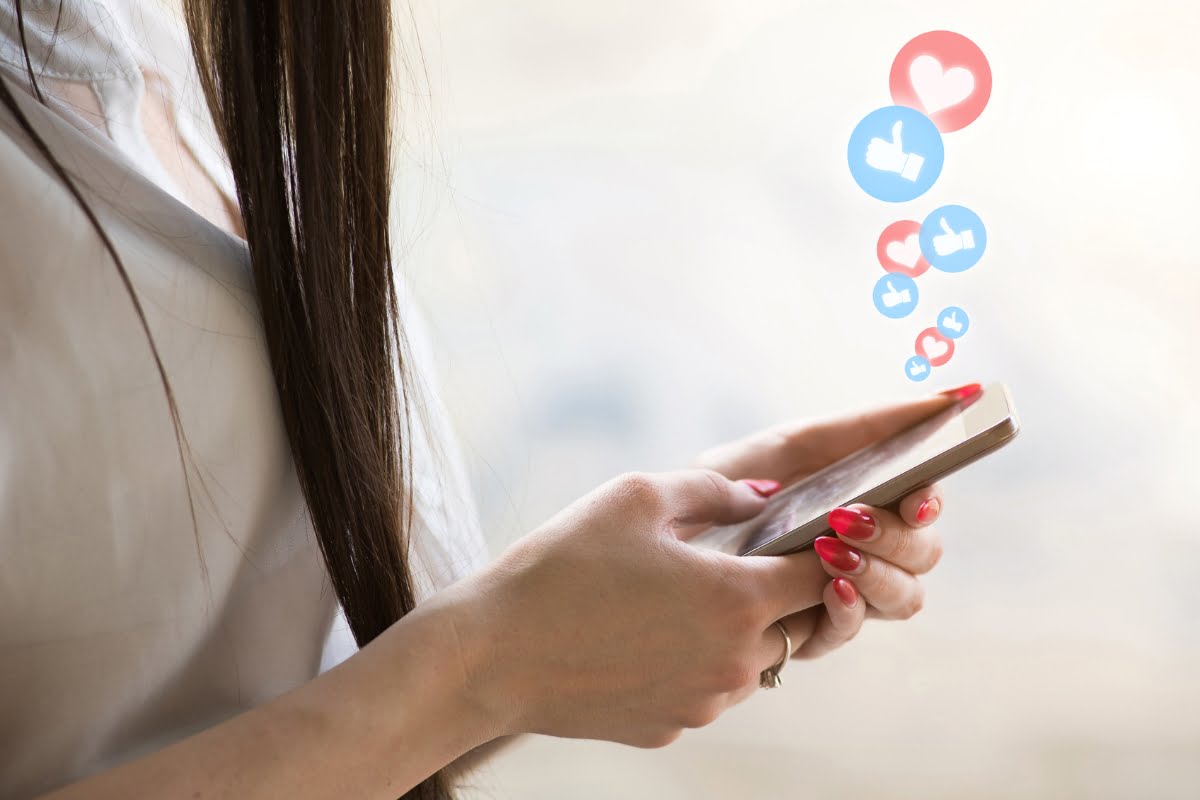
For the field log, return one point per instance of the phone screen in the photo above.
(879, 474)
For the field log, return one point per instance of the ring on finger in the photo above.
(769, 677)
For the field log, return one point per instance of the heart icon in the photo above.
(899, 249)
(943, 74)
(934, 348)
(931, 344)
(907, 252)
(937, 88)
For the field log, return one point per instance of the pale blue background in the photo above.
(635, 232)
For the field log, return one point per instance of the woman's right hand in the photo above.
(605, 624)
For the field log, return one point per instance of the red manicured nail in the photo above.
(845, 590)
(963, 392)
(837, 553)
(854, 524)
(929, 510)
(763, 486)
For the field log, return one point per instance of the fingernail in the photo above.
(963, 392)
(837, 553)
(764, 487)
(929, 510)
(845, 590)
(854, 524)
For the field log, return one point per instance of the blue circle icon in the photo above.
(895, 154)
(953, 322)
(917, 368)
(895, 295)
(953, 239)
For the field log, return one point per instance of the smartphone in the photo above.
(880, 475)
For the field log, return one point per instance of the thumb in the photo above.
(946, 227)
(703, 496)
(896, 134)
(891, 289)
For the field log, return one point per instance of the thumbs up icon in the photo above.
(890, 156)
(948, 242)
(917, 368)
(953, 322)
(895, 295)
(892, 298)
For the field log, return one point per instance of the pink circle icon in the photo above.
(899, 249)
(934, 347)
(945, 76)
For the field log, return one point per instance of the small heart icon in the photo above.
(937, 88)
(935, 347)
(899, 249)
(907, 252)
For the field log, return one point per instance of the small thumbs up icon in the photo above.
(953, 322)
(895, 295)
(949, 242)
(917, 368)
(892, 298)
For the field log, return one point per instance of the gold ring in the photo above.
(769, 677)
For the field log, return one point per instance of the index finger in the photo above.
(809, 446)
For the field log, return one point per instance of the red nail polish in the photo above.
(963, 392)
(929, 510)
(854, 524)
(763, 486)
(846, 591)
(837, 553)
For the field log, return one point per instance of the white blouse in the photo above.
(121, 629)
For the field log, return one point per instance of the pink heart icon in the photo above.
(899, 249)
(934, 347)
(945, 76)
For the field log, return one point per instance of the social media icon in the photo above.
(953, 239)
(945, 75)
(953, 322)
(935, 347)
(917, 368)
(895, 154)
(896, 295)
(899, 249)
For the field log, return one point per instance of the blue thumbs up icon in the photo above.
(917, 368)
(895, 154)
(896, 295)
(953, 322)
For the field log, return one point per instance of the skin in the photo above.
(603, 623)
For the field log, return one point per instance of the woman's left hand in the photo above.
(877, 555)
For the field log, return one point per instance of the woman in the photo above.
(219, 455)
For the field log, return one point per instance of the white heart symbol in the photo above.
(938, 89)
(935, 350)
(907, 252)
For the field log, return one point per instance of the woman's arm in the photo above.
(604, 623)
(372, 727)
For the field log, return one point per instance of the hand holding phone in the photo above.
(879, 474)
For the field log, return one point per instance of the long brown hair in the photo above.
(300, 92)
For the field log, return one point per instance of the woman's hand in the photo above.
(605, 624)
(877, 554)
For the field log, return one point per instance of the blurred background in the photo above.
(635, 234)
